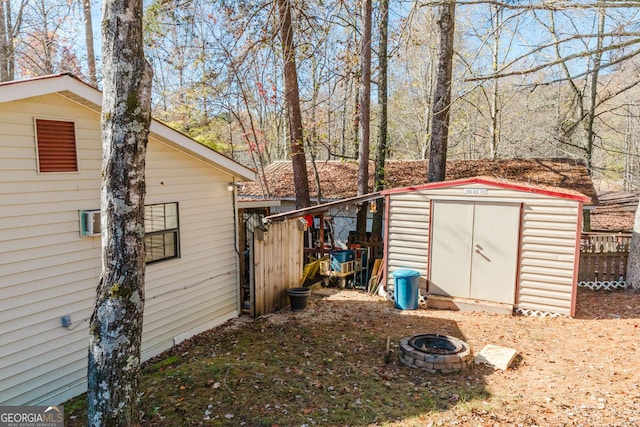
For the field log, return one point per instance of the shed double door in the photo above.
(474, 250)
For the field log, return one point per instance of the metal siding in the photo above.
(45, 263)
(451, 242)
(494, 261)
(408, 229)
(548, 240)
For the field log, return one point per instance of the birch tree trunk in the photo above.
(364, 119)
(292, 97)
(442, 94)
(116, 324)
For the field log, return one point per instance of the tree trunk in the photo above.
(382, 149)
(292, 97)
(442, 94)
(115, 330)
(593, 93)
(9, 30)
(364, 119)
(633, 264)
(494, 113)
(48, 43)
(88, 36)
(4, 38)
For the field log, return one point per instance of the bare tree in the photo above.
(442, 94)
(582, 111)
(115, 331)
(494, 111)
(381, 149)
(364, 119)
(292, 98)
(415, 62)
(47, 43)
(88, 37)
(9, 30)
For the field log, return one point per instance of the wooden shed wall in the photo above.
(48, 271)
(548, 246)
(278, 262)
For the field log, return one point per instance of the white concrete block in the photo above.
(496, 356)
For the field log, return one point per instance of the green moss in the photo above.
(132, 104)
(162, 364)
(113, 292)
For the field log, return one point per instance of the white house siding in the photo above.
(548, 240)
(47, 270)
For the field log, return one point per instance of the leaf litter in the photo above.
(326, 366)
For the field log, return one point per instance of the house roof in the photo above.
(76, 90)
(616, 211)
(338, 179)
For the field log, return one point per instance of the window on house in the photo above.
(161, 239)
(56, 146)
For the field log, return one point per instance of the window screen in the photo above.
(161, 239)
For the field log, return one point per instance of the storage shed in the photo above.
(481, 240)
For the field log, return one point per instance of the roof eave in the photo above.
(507, 185)
(258, 203)
(185, 144)
(311, 210)
(39, 86)
(90, 97)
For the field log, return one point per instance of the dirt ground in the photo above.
(582, 371)
(325, 366)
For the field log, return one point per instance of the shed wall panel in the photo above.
(408, 230)
(548, 239)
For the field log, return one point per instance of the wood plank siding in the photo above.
(47, 270)
(278, 262)
(548, 239)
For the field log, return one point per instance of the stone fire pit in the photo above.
(435, 353)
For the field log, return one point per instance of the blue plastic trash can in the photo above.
(406, 289)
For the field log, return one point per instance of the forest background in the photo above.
(530, 78)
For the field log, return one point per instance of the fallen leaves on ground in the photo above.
(326, 366)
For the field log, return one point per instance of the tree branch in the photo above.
(552, 5)
(532, 70)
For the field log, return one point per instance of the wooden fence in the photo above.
(278, 262)
(603, 257)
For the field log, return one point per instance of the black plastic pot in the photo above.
(298, 298)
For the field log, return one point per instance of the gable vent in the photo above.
(56, 146)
